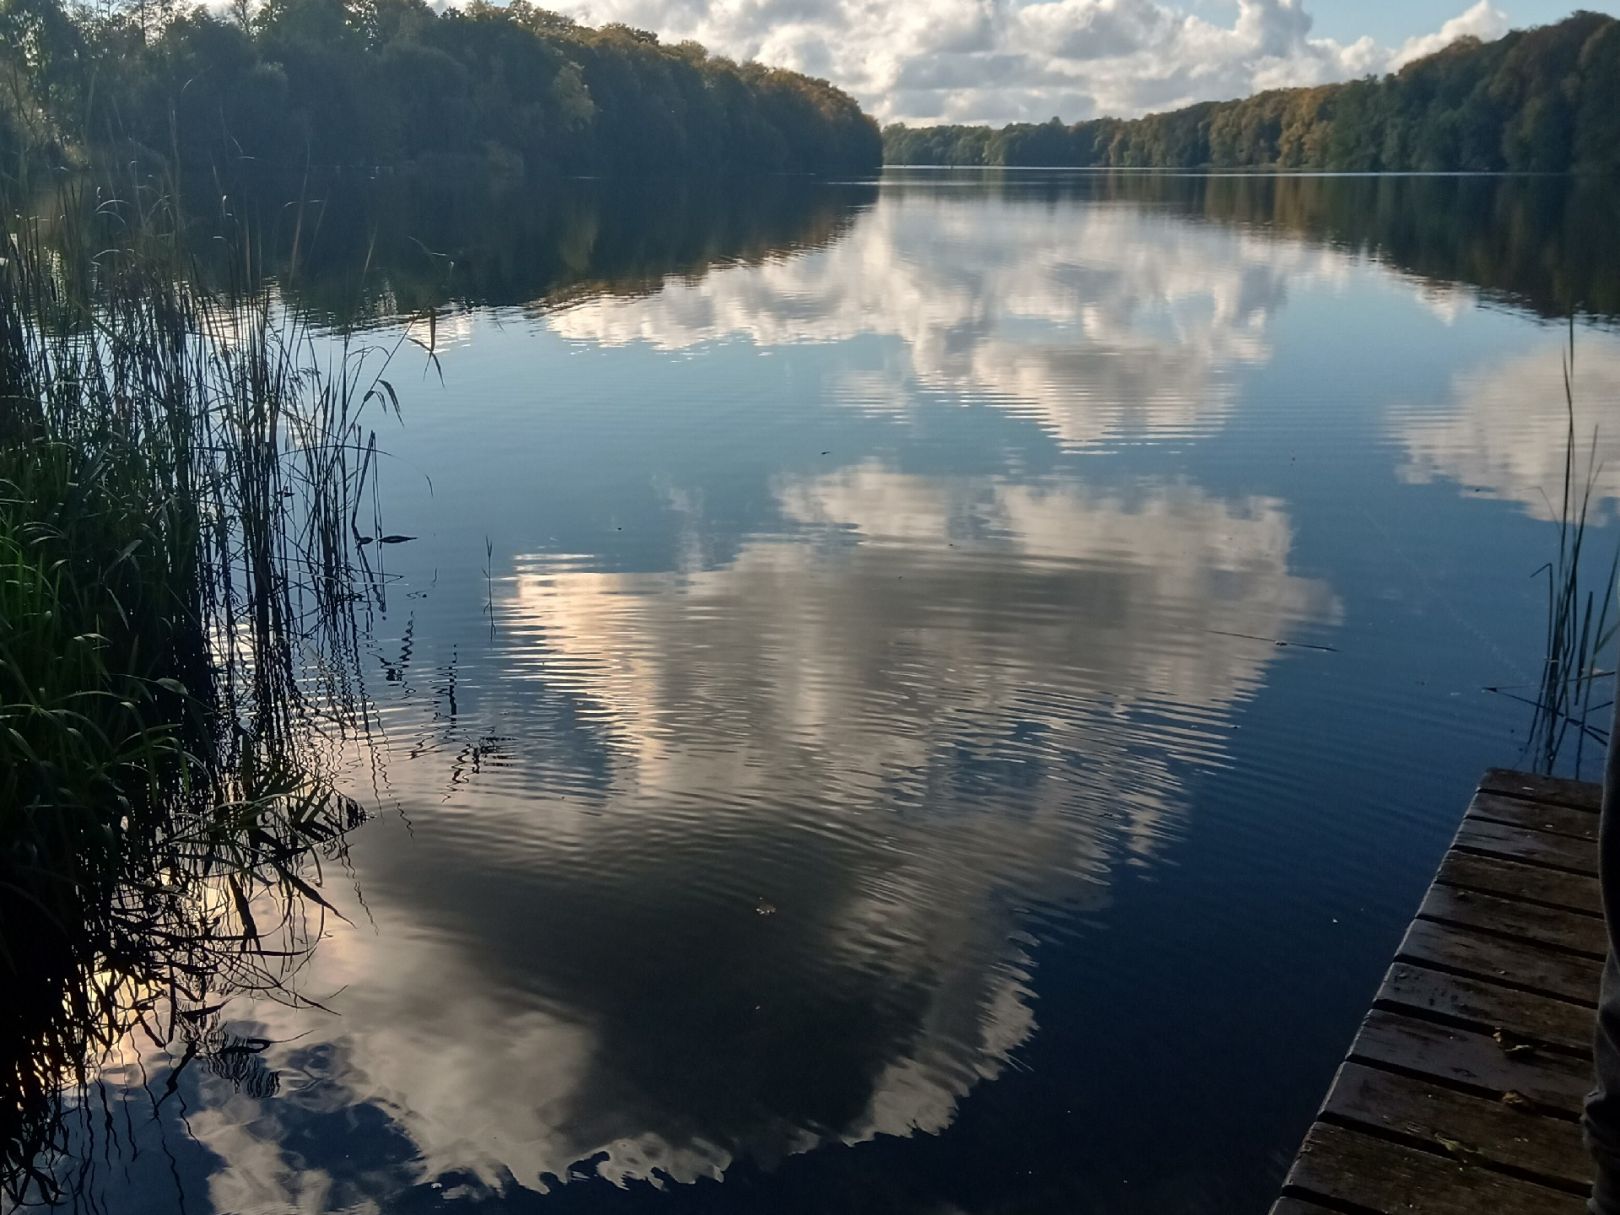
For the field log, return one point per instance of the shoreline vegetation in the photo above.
(515, 90)
(495, 88)
(184, 480)
(1545, 99)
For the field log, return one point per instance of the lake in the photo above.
(930, 695)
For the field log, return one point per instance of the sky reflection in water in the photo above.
(955, 720)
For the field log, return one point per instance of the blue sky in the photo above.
(999, 61)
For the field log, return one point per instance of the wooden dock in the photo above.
(1461, 1094)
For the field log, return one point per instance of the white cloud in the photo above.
(1484, 21)
(1014, 60)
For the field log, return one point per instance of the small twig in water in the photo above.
(1296, 645)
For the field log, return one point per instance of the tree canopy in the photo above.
(1544, 100)
(387, 82)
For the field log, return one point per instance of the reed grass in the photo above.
(1580, 618)
(182, 472)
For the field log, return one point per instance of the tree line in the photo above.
(1544, 100)
(391, 82)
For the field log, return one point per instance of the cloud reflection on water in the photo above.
(1105, 324)
(786, 902)
(1502, 429)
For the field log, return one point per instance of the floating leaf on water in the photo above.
(395, 539)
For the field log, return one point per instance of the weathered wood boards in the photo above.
(1462, 1091)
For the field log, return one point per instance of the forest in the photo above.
(384, 83)
(1541, 100)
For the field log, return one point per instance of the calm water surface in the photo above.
(970, 678)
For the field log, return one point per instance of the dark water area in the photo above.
(370, 248)
(930, 695)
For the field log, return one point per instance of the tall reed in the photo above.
(182, 471)
(1580, 625)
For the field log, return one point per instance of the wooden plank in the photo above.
(1515, 880)
(1583, 795)
(1462, 1057)
(1515, 843)
(1469, 1128)
(1489, 1006)
(1516, 963)
(1377, 1175)
(1536, 816)
(1583, 934)
(1463, 1088)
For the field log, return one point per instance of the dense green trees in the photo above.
(1545, 99)
(384, 82)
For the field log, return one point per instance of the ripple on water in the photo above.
(932, 701)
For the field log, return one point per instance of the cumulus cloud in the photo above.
(1016, 60)
(1484, 21)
